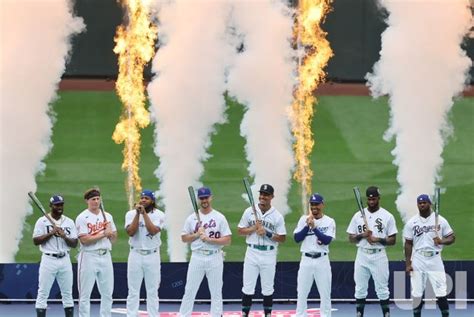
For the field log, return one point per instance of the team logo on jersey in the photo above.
(418, 231)
(379, 225)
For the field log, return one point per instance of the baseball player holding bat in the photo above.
(97, 232)
(207, 231)
(372, 229)
(424, 241)
(143, 225)
(264, 228)
(315, 232)
(55, 234)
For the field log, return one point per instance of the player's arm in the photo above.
(247, 230)
(390, 240)
(132, 228)
(43, 238)
(225, 240)
(280, 238)
(150, 226)
(445, 240)
(408, 253)
(88, 239)
(356, 237)
(70, 242)
(190, 237)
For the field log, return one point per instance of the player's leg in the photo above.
(47, 274)
(105, 284)
(361, 279)
(194, 278)
(152, 272)
(418, 283)
(250, 274)
(305, 281)
(214, 274)
(64, 278)
(86, 275)
(437, 276)
(134, 282)
(323, 279)
(267, 279)
(380, 273)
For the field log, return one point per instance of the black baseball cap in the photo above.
(267, 189)
(372, 191)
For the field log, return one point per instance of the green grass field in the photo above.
(349, 151)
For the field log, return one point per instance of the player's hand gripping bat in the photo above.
(360, 205)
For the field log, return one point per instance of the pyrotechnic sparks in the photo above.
(314, 53)
(135, 47)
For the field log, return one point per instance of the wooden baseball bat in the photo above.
(250, 195)
(40, 207)
(192, 195)
(437, 201)
(358, 199)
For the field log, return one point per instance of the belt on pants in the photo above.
(56, 255)
(143, 251)
(428, 253)
(206, 252)
(315, 255)
(371, 251)
(261, 247)
(98, 251)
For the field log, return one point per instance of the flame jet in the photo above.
(135, 47)
(314, 53)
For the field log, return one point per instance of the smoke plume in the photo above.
(422, 68)
(34, 47)
(187, 101)
(262, 79)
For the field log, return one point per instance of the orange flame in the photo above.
(135, 47)
(316, 54)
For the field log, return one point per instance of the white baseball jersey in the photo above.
(422, 231)
(142, 239)
(214, 224)
(272, 221)
(381, 223)
(310, 244)
(90, 223)
(55, 244)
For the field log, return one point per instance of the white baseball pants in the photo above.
(431, 268)
(375, 265)
(318, 270)
(141, 267)
(212, 266)
(261, 263)
(53, 268)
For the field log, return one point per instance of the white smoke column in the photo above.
(263, 79)
(422, 68)
(187, 101)
(34, 47)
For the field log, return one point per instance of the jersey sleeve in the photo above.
(81, 226)
(301, 224)
(225, 229)
(446, 229)
(39, 229)
(73, 234)
(407, 231)
(280, 226)
(160, 220)
(110, 218)
(391, 226)
(187, 227)
(352, 228)
(128, 219)
(332, 229)
(244, 221)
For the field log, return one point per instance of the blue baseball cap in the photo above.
(56, 200)
(204, 192)
(424, 197)
(148, 193)
(316, 199)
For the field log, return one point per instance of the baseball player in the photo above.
(97, 232)
(371, 259)
(54, 242)
(262, 236)
(143, 224)
(316, 232)
(206, 238)
(423, 245)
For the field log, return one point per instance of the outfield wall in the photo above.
(20, 281)
(353, 27)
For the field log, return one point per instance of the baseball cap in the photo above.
(316, 199)
(424, 197)
(148, 193)
(56, 200)
(267, 189)
(372, 191)
(204, 192)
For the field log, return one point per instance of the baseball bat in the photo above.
(192, 195)
(437, 200)
(101, 206)
(40, 207)
(250, 195)
(358, 199)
